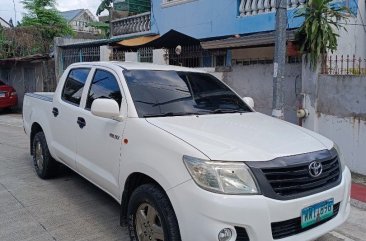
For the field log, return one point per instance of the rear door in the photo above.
(99, 140)
(65, 110)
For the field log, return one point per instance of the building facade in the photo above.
(234, 40)
(79, 21)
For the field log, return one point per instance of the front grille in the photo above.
(293, 226)
(291, 180)
(288, 177)
(242, 234)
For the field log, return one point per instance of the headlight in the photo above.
(221, 177)
(340, 156)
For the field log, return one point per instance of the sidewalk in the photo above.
(358, 191)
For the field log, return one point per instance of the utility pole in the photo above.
(279, 60)
(110, 17)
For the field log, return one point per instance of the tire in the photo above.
(146, 225)
(44, 165)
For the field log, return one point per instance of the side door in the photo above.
(64, 116)
(99, 140)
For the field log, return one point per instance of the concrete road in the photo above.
(70, 208)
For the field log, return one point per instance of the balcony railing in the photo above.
(134, 24)
(254, 7)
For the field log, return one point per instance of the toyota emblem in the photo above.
(315, 169)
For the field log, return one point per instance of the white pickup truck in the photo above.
(186, 157)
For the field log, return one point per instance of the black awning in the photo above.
(172, 39)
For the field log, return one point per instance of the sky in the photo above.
(7, 7)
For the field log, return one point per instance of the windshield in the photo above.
(171, 93)
(1, 83)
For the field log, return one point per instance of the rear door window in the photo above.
(104, 85)
(74, 85)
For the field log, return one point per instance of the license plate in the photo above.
(2, 94)
(317, 213)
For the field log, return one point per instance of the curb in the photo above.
(358, 204)
(358, 192)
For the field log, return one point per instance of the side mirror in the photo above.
(106, 108)
(249, 101)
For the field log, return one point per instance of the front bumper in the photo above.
(202, 214)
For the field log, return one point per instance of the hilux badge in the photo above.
(315, 169)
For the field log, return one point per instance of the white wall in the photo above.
(256, 81)
(105, 53)
(131, 57)
(350, 135)
(337, 106)
(159, 57)
(353, 41)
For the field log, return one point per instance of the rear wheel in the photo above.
(151, 216)
(44, 164)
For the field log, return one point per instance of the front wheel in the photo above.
(151, 216)
(44, 164)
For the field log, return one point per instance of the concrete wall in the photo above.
(337, 106)
(256, 81)
(105, 53)
(352, 41)
(29, 77)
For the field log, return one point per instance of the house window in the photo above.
(220, 60)
(169, 3)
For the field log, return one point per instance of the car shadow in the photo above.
(7, 111)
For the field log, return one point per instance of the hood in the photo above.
(242, 137)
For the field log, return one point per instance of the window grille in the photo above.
(83, 54)
(195, 56)
(145, 55)
(118, 55)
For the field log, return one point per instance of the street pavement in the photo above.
(70, 208)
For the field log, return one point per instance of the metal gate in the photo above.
(195, 56)
(80, 54)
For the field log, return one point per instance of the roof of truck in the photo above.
(142, 66)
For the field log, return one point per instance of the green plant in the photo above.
(104, 27)
(318, 33)
(43, 15)
(22, 41)
(104, 5)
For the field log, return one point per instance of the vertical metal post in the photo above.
(279, 60)
(110, 17)
(61, 70)
(80, 56)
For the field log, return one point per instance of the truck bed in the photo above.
(37, 107)
(47, 96)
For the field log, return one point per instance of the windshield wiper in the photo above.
(173, 114)
(222, 111)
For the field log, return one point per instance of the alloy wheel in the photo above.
(148, 224)
(39, 156)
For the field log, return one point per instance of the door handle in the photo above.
(55, 112)
(81, 122)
